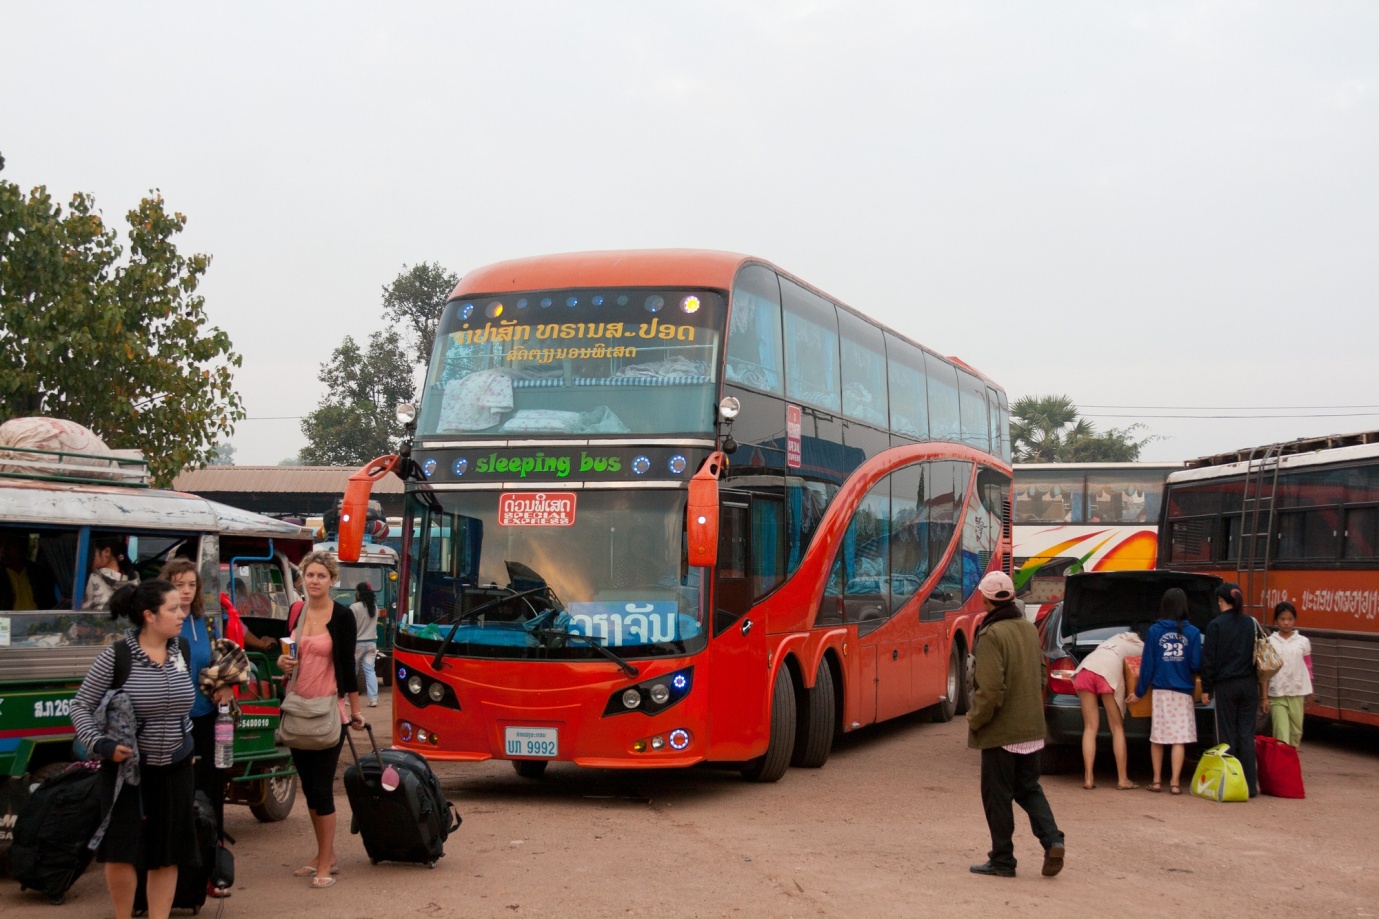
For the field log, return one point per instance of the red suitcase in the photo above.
(1280, 772)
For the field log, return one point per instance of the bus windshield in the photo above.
(575, 362)
(612, 568)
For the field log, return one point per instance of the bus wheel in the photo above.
(529, 768)
(815, 724)
(953, 689)
(278, 797)
(772, 765)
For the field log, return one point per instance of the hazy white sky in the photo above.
(1134, 204)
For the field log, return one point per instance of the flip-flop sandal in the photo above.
(1175, 790)
(319, 883)
(1089, 787)
(1154, 787)
(309, 871)
(1131, 787)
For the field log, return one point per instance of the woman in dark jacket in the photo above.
(324, 665)
(1228, 672)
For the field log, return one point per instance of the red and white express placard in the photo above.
(536, 509)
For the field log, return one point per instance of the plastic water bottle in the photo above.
(224, 738)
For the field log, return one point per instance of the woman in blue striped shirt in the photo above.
(151, 824)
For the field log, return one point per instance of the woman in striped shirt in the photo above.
(151, 824)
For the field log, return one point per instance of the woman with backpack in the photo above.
(150, 825)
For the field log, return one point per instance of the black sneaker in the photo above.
(1053, 860)
(994, 870)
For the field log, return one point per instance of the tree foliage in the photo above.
(415, 299)
(119, 343)
(355, 421)
(222, 454)
(1048, 429)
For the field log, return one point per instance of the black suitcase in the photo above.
(49, 849)
(411, 822)
(193, 882)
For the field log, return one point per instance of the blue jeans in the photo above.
(365, 652)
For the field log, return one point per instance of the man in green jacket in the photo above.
(1006, 722)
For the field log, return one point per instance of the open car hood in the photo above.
(1129, 600)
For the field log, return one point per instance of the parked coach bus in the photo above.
(1072, 517)
(55, 509)
(678, 506)
(1296, 521)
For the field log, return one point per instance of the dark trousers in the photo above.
(208, 778)
(1237, 702)
(1014, 777)
(316, 774)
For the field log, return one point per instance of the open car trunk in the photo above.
(1100, 604)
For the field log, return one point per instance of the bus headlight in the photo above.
(660, 693)
(631, 699)
(652, 696)
(414, 685)
(436, 691)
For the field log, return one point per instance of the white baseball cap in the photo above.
(997, 586)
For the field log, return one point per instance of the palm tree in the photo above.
(1047, 429)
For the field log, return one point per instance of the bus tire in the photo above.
(529, 768)
(770, 766)
(944, 710)
(964, 678)
(815, 724)
(279, 794)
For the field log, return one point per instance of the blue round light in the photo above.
(679, 739)
(572, 301)
(402, 673)
(428, 467)
(678, 464)
(654, 303)
(545, 302)
(522, 303)
(467, 310)
(461, 466)
(640, 465)
(679, 681)
(597, 301)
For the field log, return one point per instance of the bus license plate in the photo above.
(543, 743)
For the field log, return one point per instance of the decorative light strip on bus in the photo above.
(524, 485)
(599, 442)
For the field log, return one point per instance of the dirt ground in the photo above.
(886, 828)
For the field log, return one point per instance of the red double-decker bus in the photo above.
(670, 507)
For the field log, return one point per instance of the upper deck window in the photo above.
(588, 362)
(754, 331)
(909, 391)
(864, 371)
(811, 348)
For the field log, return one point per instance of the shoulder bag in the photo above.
(308, 724)
(1267, 659)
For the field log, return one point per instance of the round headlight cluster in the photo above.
(631, 698)
(414, 685)
(436, 691)
(659, 693)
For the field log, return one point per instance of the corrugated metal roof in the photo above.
(283, 479)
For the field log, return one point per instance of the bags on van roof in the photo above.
(31, 446)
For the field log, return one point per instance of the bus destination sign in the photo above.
(536, 509)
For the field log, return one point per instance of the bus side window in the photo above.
(754, 330)
(733, 596)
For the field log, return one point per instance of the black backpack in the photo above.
(49, 850)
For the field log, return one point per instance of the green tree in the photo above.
(355, 421)
(119, 343)
(222, 454)
(1047, 429)
(415, 299)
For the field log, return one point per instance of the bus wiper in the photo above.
(593, 643)
(471, 615)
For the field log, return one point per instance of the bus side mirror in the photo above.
(701, 522)
(354, 508)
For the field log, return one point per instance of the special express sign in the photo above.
(536, 509)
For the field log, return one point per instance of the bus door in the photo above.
(736, 658)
